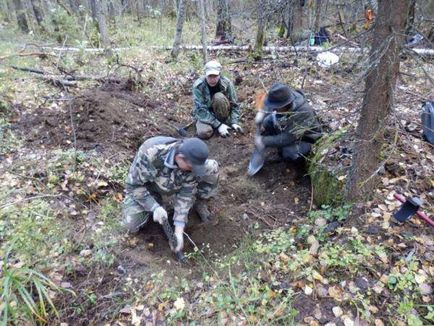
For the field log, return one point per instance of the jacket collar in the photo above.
(169, 160)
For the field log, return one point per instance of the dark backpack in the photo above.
(428, 121)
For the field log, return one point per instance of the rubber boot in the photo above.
(202, 210)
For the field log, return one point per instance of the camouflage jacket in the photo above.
(299, 123)
(202, 102)
(154, 170)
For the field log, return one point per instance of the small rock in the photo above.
(425, 289)
(337, 311)
(330, 324)
(85, 253)
(66, 285)
(245, 217)
(308, 290)
(320, 221)
(362, 283)
(121, 270)
(332, 226)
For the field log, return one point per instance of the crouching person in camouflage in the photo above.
(215, 103)
(170, 167)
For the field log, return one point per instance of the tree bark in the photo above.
(101, 22)
(260, 33)
(296, 21)
(180, 18)
(37, 10)
(318, 6)
(21, 16)
(224, 26)
(378, 100)
(410, 21)
(203, 30)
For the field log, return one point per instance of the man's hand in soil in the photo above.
(237, 128)
(223, 130)
(179, 234)
(159, 215)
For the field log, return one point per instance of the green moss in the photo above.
(327, 185)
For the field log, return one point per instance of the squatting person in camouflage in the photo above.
(166, 166)
(215, 103)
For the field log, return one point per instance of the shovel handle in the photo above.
(420, 214)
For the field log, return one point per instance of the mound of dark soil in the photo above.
(98, 119)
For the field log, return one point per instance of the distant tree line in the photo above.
(294, 20)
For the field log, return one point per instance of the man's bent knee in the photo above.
(133, 222)
(204, 131)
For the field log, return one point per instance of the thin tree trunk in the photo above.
(260, 33)
(101, 22)
(37, 10)
(224, 26)
(21, 16)
(297, 21)
(378, 100)
(317, 23)
(410, 21)
(180, 18)
(203, 30)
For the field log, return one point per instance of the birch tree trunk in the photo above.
(203, 31)
(378, 100)
(180, 18)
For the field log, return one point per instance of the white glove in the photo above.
(259, 143)
(159, 215)
(179, 234)
(237, 128)
(223, 130)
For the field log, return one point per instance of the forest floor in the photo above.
(269, 256)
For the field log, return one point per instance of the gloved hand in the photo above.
(159, 215)
(223, 130)
(237, 128)
(179, 234)
(259, 142)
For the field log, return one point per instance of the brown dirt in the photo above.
(112, 121)
(106, 119)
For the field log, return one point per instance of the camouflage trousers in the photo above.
(135, 217)
(221, 108)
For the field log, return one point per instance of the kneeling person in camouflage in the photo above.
(215, 103)
(168, 166)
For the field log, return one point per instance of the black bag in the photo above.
(428, 121)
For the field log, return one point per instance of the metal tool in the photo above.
(172, 240)
(256, 162)
(182, 131)
(411, 207)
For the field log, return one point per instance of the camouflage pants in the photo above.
(221, 108)
(134, 216)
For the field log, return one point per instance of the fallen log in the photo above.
(267, 49)
(69, 80)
